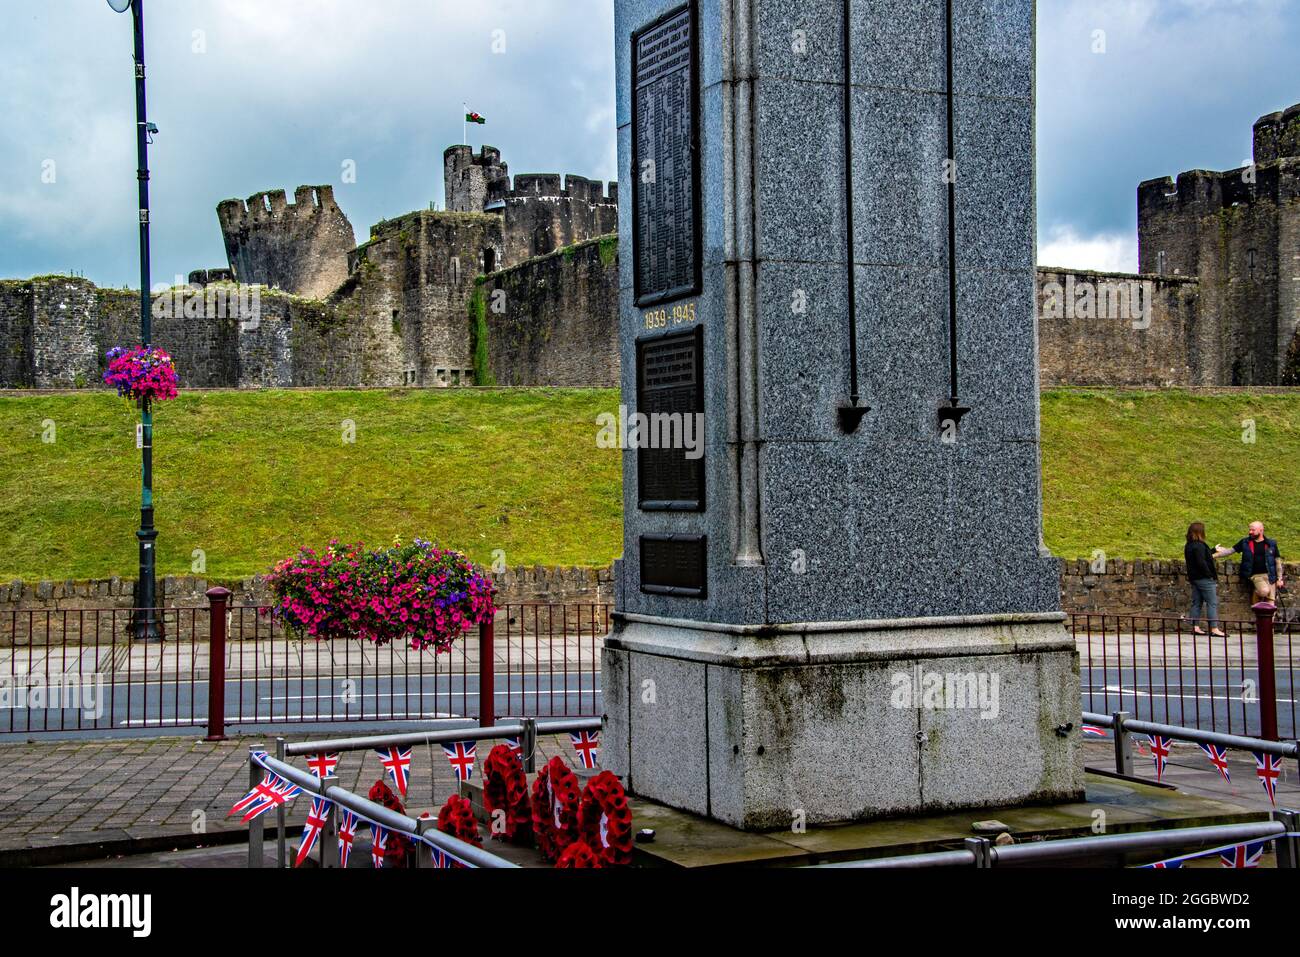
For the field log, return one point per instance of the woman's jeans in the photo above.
(1205, 593)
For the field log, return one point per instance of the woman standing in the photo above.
(1204, 578)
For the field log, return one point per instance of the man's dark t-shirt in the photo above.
(1254, 556)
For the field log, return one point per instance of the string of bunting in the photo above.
(1268, 767)
(1230, 855)
(599, 804)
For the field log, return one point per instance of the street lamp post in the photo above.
(145, 624)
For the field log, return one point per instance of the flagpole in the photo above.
(465, 117)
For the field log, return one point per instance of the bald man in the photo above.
(1261, 564)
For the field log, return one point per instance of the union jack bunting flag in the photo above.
(347, 834)
(282, 792)
(1268, 768)
(378, 844)
(1243, 855)
(323, 765)
(257, 794)
(1219, 758)
(1092, 729)
(272, 791)
(587, 744)
(1159, 751)
(397, 762)
(1166, 865)
(461, 756)
(515, 747)
(316, 820)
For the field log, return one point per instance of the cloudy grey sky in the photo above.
(257, 94)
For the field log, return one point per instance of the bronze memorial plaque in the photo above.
(670, 388)
(674, 565)
(665, 169)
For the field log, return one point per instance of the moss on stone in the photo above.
(608, 249)
(478, 333)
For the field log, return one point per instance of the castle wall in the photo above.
(1099, 343)
(301, 247)
(1238, 232)
(64, 323)
(16, 334)
(541, 217)
(469, 177)
(554, 320)
(409, 287)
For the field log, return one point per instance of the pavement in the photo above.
(214, 776)
(99, 799)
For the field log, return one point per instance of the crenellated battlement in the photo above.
(300, 247)
(1277, 135)
(548, 185)
(1234, 231)
(272, 206)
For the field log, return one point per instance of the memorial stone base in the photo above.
(770, 728)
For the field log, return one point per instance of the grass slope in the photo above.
(249, 476)
(1126, 472)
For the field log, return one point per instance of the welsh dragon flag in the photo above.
(475, 118)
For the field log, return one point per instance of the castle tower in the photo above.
(1239, 233)
(469, 178)
(300, 247)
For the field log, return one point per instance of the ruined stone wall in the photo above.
(16, 334)
(1087, 336)
(300, 247)
(554, 320)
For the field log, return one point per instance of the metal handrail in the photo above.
(961, 858)
(385, 817)
(469, 733)
(1281, 827)
(1286, 749)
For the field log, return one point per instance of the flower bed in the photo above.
(418, 593)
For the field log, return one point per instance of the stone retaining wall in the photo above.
(1157, 588)
(1151, 588)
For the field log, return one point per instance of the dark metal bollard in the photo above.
(1264, 612)
(217, 599)
(487, 713)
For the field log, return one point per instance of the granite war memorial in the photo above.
(844, 608)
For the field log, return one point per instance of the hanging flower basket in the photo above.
(421, 594)
(141, 374)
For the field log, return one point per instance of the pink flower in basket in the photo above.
(141, 373)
